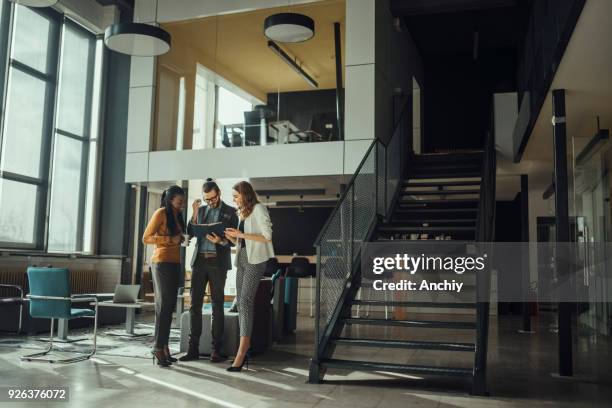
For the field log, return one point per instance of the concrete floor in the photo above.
(520, 368)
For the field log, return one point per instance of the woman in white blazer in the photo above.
(253, 240)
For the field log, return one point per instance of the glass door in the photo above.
(592, 210)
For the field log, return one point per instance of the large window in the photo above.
(230, 128)
(50, 84)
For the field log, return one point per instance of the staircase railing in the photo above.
(485, 233)
(370, 194)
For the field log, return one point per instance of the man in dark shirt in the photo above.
(209, 265)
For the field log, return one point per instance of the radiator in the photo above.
(80, 282)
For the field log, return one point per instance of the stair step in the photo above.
(446, 166)
(441, 183)
(436, 221)
(409, 229)
(428, 324)
(445, 175)
(399, 368)
(438, 192)
(441, 201)
(405, 344)
(474, 155)
(412, 209)
(391, 303)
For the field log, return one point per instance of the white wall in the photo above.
(505, 106)
(360, 84)
(303, 159)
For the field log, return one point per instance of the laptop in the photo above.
(126, 294)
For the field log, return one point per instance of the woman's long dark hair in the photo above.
(249, 198)
(166, 202)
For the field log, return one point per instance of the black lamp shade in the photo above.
(289, 27)
(36, 3)
(137, 39)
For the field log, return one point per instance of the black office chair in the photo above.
(252, 127)
(324, 127)
(226, 137)
(14, 301)
(272, 267)
(300, 267)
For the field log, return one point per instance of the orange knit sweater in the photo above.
(157, 233)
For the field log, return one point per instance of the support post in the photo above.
(562, 228)
(314, 375)
(339, 101)
(526, 327)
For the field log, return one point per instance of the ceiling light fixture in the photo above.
(36, 3)
(291, 62)
(138, 39)
(289, 27)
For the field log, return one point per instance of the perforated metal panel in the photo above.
(370, 192)
(393, 165)
(380, 178)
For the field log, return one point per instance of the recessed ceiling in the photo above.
(584, 72)
(449, 26)
(234, 46)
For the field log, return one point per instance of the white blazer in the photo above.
(258, 222)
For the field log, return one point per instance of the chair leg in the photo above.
(311, 297)
(38, 356)
(386, 306)
(20, 318)
(368, 295)
(95, 333)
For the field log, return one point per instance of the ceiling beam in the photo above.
(404, 8)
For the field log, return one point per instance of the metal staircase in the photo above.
(446, 196)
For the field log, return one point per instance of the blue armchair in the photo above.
(50, 298)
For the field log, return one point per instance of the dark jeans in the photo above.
(207, 271)
(166, 280)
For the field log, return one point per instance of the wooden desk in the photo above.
(286, 259)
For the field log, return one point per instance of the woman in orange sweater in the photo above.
(165, 231)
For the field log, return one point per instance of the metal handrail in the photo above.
(484, 234)
(349, 245)
(345, 193)
(351, 182)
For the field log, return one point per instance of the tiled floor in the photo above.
(520, 368)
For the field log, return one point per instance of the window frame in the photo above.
(50, 129)
(85, 139)
(42, 182)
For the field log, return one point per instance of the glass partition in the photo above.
(224, 84)
(590, 165)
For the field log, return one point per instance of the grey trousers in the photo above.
(166, 280)
(207, 271)
(247, 281)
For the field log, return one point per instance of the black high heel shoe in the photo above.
(160, 356)
(239, 368)
(169, 356)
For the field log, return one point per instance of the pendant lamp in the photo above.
(289, 27)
